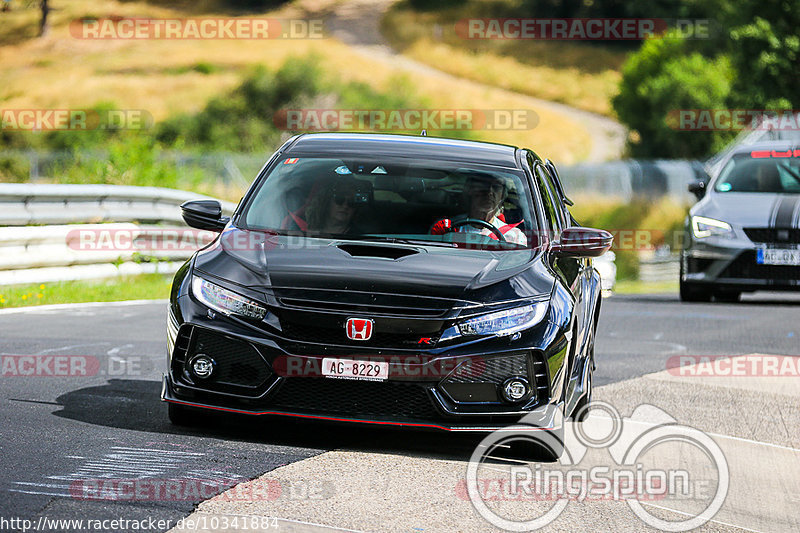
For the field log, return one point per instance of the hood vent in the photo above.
(377, 252)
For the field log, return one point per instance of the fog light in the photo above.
(202, 366)
(515, 389)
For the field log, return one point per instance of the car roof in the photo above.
(411, 146)
(783, 144)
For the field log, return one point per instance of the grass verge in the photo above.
(639, 225)
(143, 287)
(643, 287)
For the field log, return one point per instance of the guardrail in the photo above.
(656, 268)
(629, 178)
(39, 242)
(23, 204)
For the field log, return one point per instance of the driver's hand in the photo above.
(441, 227)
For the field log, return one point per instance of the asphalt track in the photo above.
(60, 433)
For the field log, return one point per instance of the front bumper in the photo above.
(732, 264)
(423, 390)
(546, 417)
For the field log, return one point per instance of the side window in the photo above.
(550, 210)
(561, 209)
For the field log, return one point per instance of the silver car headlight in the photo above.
(703, 227)
(226, 301)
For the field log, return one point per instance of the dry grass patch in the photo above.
(591, 92)
(582, 75)
(60, 71)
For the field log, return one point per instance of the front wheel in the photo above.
(727, 296)
(545, 446)
(692, 292)
(581, 410)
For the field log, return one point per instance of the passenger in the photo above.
(333, 208)
(485, 196)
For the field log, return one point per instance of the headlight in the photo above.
(506, 322)
(225, 301)
(703, 227)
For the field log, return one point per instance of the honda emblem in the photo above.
(359, 329)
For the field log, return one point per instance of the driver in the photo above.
(485, 195)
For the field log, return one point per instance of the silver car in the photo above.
(743, 235)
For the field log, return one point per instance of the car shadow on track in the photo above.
(135, 405)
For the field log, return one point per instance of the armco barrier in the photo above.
(23, 204)
(37, 227)
(658, 268)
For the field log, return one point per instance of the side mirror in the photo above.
(583, 242)
(204, 214)
(698, 188)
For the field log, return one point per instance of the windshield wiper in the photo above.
(402, 240)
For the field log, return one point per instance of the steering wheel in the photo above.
(487, 225)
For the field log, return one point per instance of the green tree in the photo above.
(766, 55)
(658, 81)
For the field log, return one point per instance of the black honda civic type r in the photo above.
(389, 279)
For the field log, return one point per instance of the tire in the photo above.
(547, 450)
(692, 292)
(727, 296)
(181, 416)
(581, 411)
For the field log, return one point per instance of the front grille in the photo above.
(745, 267)
(491, 369)
(773, 235)
(371, 309)
(240, 369)
(364, 303)
(318, 334)
(352, 398)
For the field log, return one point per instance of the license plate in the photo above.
(776, 256)
(355, 369)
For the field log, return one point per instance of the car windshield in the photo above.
(398, 200)
(764, 173)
